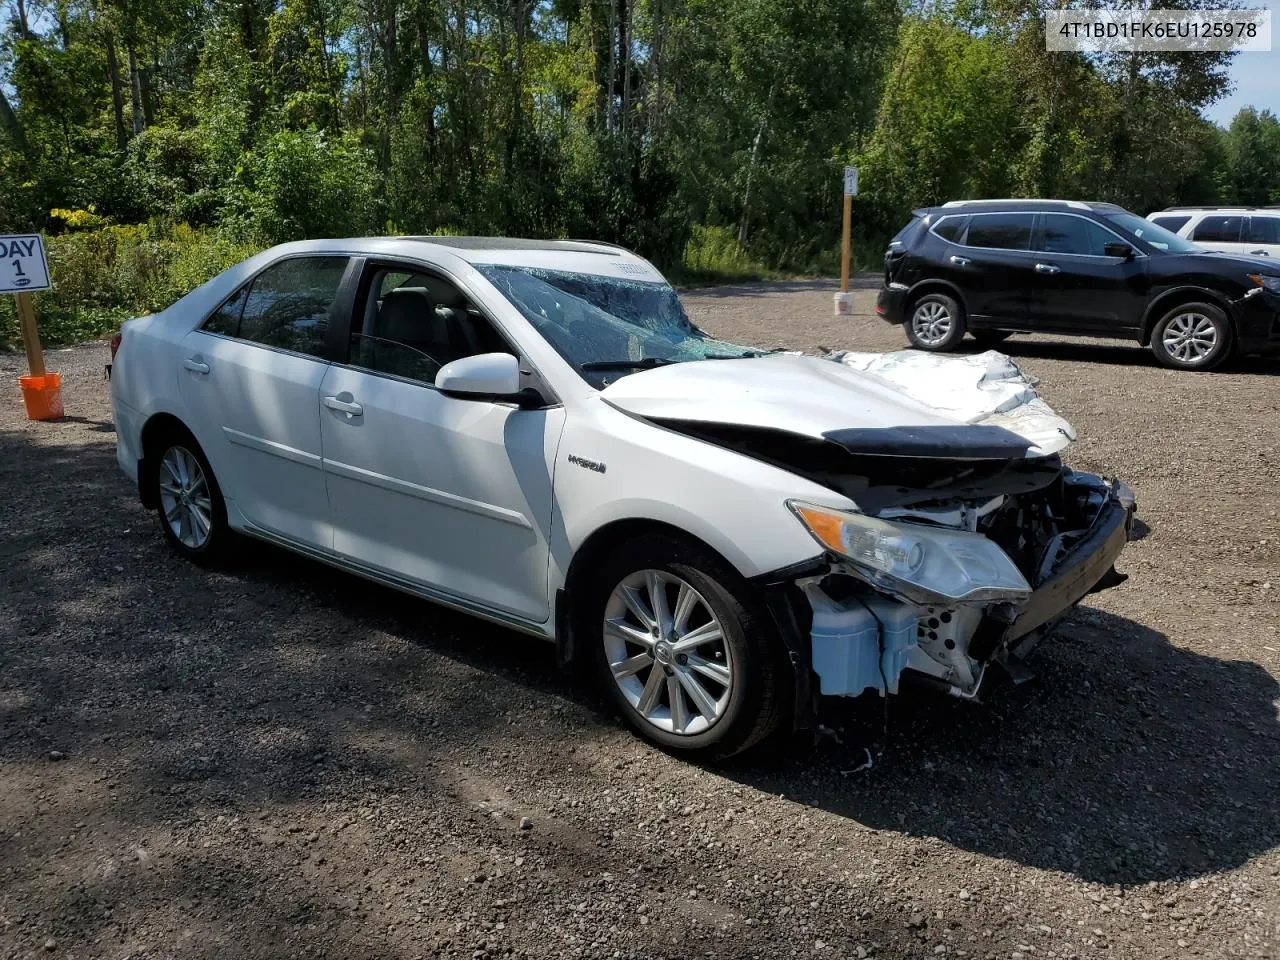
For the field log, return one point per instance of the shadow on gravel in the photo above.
(1129, 760)
(1120, 353)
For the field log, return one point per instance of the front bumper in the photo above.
(1258, 322)
(891, 302)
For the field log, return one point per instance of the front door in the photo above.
(250, 380)
(1077, 288)
(452, 494)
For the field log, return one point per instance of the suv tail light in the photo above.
(115, 343)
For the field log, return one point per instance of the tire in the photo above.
(1193, 336)
(987, 337)
(189, 504)
(749, 695)
(935, 323)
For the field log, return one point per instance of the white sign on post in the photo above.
(850, 181)
(23, 267)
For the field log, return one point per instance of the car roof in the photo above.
(1013, 205)
(576, 256)
(1274, 208)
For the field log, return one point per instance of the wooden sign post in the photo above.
(23, 270)
(844, 300)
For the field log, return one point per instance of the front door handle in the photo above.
(1047, 268)
(349, 407)
(960, 261)
(195, 366)
(1260, 253)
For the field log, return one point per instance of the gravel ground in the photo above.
(284, 761)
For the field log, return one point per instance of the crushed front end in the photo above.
(981, 578)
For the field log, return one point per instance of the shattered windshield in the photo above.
(608, 327)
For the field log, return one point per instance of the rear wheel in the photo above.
(1193, 336)
(193, 516)
(684, 648)
(935, 323)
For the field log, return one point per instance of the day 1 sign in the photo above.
(850, 181)
(23, 267)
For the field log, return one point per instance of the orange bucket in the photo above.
(42, 396)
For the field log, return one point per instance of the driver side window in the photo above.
(415, 323)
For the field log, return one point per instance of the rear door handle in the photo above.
(1047, 268)
(1260, 253)
(349, 407)
(960, 261)
(195, 366)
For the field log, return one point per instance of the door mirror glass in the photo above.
(1118, 249)
(491, 376)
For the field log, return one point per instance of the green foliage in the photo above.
(104, 276)
(706, 134)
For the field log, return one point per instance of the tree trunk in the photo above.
(135, 90)
(9, 122)
(24, 28)
(117, 94)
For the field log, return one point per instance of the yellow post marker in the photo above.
(23, 270)
(844, 243)
(844, 299)
(30, 335)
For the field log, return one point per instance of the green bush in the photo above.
(102, 277)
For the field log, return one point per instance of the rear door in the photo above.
(1077, 288)
(1262, 235)
(1221, 232)
(993, 266)
(250, 380)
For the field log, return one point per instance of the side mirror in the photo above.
(1118, 249)
(485, 376)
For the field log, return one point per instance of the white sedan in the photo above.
(536, 433)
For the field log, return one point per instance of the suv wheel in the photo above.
(935, 323)
(1193, 336)
(684, 648)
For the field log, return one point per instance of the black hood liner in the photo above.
(885, 479)
(964, 441)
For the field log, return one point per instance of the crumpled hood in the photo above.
(907, 403)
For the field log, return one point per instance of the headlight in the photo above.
(1271, 284)
(922, 563)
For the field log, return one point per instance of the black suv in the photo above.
(996, 267)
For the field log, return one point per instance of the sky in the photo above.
(1257, 75)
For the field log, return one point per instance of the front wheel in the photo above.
(935, 323)
(684, 648)
(1194, 336)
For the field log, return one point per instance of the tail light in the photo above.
(115, 343)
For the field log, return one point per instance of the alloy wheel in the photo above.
(185, 499)
(1190, 337)
(931, 322)
(667, 652)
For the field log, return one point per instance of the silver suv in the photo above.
(1249, 230)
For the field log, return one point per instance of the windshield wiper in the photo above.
(643, 364)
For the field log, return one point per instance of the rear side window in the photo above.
(226, 319)
(1172, 224)
(950, 228)
(1218, 230)
(1001, 231)
(1263, 230)
(288, 304)
(1061, 233)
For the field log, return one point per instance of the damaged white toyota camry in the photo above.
(535, 432)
